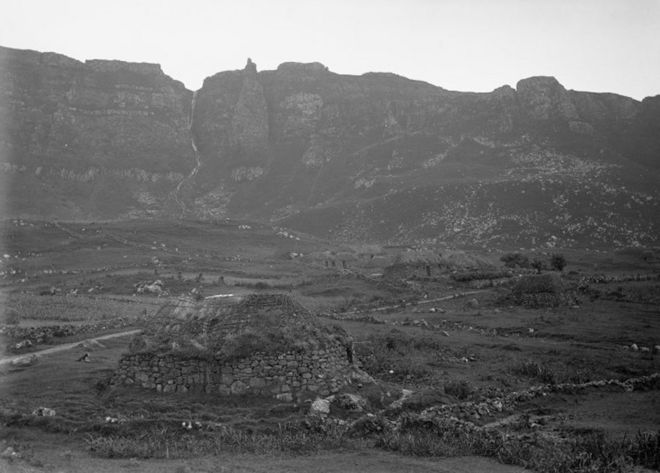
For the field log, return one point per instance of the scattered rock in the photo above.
(472, 303)
(405, 394)
(156, 287)
(357, 375)
(9, 453)
(43, 412)
(91, 345)
(320, 407)
(25, 361)
(351, 402)
(23, 344)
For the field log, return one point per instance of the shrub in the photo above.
(533, 369)
(459, 389)
(557, 262)
(538, 265)
(12, 317)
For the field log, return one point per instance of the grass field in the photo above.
(450, 344)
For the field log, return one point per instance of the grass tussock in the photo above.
(546, 374)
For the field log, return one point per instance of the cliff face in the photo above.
(375, 156)
(379, 156)
(93, 139)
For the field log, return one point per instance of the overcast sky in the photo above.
(477, 45)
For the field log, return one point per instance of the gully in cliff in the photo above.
(195, 169)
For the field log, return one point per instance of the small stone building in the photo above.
(262, 344)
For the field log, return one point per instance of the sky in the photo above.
(470, 45)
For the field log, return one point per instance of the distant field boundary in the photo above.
(413, 303)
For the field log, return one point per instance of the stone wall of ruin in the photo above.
(283, 376)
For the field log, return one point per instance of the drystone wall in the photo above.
(283, 376)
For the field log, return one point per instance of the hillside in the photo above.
(370, 157)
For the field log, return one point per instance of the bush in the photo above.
(536, 291)
(515, 260)
(557, 262)
(12, 317)
(532, 369)
(538, 265)
(461, 390)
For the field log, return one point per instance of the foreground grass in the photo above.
(290, 439)
(592, 452)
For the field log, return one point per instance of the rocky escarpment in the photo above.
(93, 139)
(375, 157)
(379, 156)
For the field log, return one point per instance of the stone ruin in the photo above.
(263, 345)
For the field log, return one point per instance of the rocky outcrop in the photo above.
(107, 120)
(250, 120)
(544, 98)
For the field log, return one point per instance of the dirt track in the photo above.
(67, 346)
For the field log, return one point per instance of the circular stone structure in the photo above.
(266, 344)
